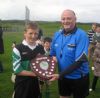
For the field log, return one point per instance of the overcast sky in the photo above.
(50, 10)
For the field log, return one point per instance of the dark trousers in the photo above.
(95, 79)
(1, 67)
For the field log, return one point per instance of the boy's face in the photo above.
(47, 45)
(98, 29)
(31, 35)
(93, 27)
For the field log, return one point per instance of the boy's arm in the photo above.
(26, 73)
(17, 68)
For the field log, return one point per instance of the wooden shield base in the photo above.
(43, 66)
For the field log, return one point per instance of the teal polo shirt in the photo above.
(68, 49)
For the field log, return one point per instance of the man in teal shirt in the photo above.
(70, 46)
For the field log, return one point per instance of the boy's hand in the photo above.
(92, 68)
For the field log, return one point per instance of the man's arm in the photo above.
(74, 66)
(77, 64)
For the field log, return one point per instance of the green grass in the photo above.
(6, 86)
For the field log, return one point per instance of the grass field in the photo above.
(6, 86)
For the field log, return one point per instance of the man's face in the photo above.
(68, 20)
(31, 35)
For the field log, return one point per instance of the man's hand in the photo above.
(54, 77)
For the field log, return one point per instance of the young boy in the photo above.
(26, 82)
(46, 44)
(96, 57)
(90, 35)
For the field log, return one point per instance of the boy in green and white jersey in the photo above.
(26, 82)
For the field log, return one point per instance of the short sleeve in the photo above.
(82, 46)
